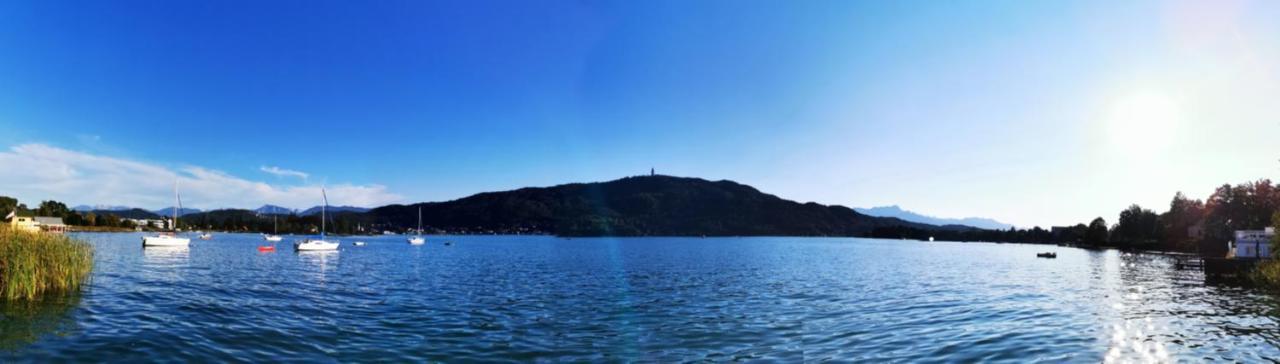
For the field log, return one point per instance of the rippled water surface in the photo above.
(646, 299)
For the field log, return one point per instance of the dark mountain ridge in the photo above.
(134, 213)
(639, 206)
(632, 206)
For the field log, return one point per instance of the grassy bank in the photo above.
(35, 265)
(1267, 273)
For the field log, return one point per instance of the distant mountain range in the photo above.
(87, 208)
(273, 209)
(898, 212)
(168, 211)
(130, 213)
(264, 210)
(332, 209)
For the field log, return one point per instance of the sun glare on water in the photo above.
(1143, 124)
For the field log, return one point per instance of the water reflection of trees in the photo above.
(23, 323)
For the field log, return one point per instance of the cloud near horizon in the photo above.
(36, 172)
(281, 172)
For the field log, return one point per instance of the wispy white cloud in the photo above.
(35, 172)
(281, 172)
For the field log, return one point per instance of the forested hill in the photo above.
(636, 206)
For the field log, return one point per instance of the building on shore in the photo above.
(1254, 244)
(150, 223)
(24, 223)
(38, 224)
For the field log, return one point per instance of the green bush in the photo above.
(33, 265)
(1267, 273)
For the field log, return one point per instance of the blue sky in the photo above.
(1033, 113)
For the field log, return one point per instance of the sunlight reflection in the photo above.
(1133, 340)
(319, 259)
(166, 256)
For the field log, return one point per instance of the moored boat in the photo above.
(171, 238)
(318, 244)
(275, 228)
(315, 244)
(165, 240)
(418, 239)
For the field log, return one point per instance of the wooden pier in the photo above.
(1189, 262)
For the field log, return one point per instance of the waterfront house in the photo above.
(51, 224)
(1251, 244)
(24, 223)
(38, 224)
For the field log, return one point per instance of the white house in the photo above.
(1252, 243)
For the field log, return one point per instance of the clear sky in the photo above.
(1029, 112)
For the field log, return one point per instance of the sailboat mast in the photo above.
(178, 200)
(322, 208)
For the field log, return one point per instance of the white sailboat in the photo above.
(169, 239)
(418, 239)
(318, 244)
(275, 228)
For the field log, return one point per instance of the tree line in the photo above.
(1189, 225)
(70, 217)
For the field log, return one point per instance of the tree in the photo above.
(1136, 226)
(7, 205)
(109, 220)
(1184, 213)
(1097, 233)
(52, 208)
(1275, 239)
(74, 218)
(1245, 206)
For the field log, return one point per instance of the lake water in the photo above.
(527, 298)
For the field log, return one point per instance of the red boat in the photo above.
(267, 248)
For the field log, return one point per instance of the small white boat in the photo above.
(169, 239)
(318, 244)
(315, 244)
(275, 228)
(358, 243)
(418, 239)
(206, 236)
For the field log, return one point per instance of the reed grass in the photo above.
(36, 265)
